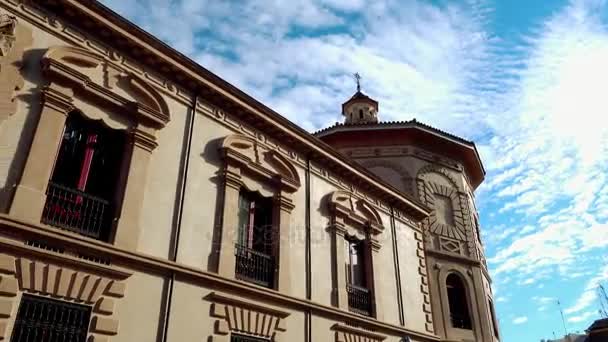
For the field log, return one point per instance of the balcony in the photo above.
(461, 321)
(77, 211)
(359, 299)
(254, 266)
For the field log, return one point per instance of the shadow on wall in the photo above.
(211, 156)
(30, 70)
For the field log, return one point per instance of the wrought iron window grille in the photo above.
(49, 320)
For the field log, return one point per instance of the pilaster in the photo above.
(30, 195)
(225, 250)
(129, 228)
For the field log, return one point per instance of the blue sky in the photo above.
(526, 80)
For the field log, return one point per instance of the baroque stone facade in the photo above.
(160, 203)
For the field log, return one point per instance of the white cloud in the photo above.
(583, 317)
(520, 320)
(298, 57)
(589, 297)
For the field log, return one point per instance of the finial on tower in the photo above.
(358, 80)
(360, 108)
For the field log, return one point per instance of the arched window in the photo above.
(360, 113)
(458, 302)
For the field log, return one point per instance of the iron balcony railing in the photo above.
(254, 266)
(461, 321)
(49, 320)
(76, 211)
(359, 299)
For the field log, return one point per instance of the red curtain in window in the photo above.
(85, 168)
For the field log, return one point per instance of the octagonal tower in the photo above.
(441, 171)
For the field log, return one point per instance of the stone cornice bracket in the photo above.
(59, 100)
(358, 211)
(247, 154)
(143, 139)
(346, 333)
(62, 63)
(232, 177)
(234, 314)
(285, 202)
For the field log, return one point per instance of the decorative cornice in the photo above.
(57, 99)
(143, 139)
(222, 298)
(249, 155)
(356, 210)
(57, 67)
(359, 334)
(19, 228)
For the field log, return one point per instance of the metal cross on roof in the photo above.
(358, 80)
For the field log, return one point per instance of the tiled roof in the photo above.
(395, 124)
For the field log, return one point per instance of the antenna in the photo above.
(563, 320)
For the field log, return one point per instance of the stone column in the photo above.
(372, 267)
(339, 230)
(129, 228)
(230, 220)
(30, 195)
(283, 241)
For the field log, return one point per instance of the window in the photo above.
(360, 113)
(254, 249)
(355, 274)
(493, 317)
(359, 295)
(82, 191)
(243, 338)
(458, 302)
(43, 319)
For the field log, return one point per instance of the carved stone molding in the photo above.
(63, 64)
(14, 38)
(346, 333)
(456, 236)
(252, 157)
(100, 291)
(236, 315)
(430, 168)
(356, 211)
(8, 25)
(424, 282)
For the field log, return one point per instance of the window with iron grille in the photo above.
(359, 294)
(49, 320)
(255, 260)
(243, 338)
(82, 190)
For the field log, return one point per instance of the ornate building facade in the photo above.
(143, 198)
